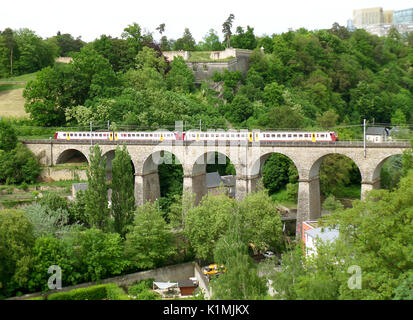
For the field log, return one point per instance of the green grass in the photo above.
(24, 77)
(282, 198)
(5, 87)
(204, 56)
(352, 192)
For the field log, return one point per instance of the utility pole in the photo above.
(90, 134)
(200, 124)
(364, 137)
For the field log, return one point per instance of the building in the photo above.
(367, 16)
(216, 184)
(186, 287)
(377, 134)
(314, 233)
(403, 16)
(378, 21)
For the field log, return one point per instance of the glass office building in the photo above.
(403, 16)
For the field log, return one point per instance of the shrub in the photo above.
(115, 293)
(141, 286)
(92, 293)
(98, 292)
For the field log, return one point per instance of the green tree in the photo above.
(16, 242)
(186, 43)
(244, 40)
(180, 78)
(8, 136)
(240, 281)
(328, 119)
(207, 222)
(96, 254)
(149, 241)
(211, 42)
(277, 171)
(226, 29)
(96, 195)
(18, 165)
(382, 251)
(123, 199)
(10, 43)
(260, 221)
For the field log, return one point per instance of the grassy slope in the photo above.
(11, 95)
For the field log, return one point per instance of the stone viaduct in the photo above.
(248, 159)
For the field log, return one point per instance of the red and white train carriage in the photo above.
(232, 135)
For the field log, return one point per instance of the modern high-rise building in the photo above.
(379, 22)
(367, 16)
(403, 16)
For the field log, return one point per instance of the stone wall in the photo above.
(58, 174)
(172, 273)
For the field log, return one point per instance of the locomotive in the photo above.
(160, 136)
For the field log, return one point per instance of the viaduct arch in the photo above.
(248, 160)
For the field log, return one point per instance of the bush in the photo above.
(115, 293)
(92, 293)
(98, 292)
(141, 286)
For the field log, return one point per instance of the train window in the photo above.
(232, 136)
(300, 135)
(317, 135)
(322, 135)
(71, 134)
(100, 134)
(206, 135)
(146, 134)
(222, 135)
(289, 136)
(64, 134)
(278, 135)
(295, 136)
(88, 134)
(284, 135)
(237, 135)
(273, 135)
(201, 135)
(150, 134)
(306, 135)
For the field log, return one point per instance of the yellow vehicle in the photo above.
(213, 269)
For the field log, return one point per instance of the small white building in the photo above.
(377, 134)
(323, 234)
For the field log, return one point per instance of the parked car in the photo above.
(212, 270)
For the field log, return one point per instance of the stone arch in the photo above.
(110, 155)
(148, 187)
(73, 155)
(375, 173)
(315, 167)
(198, 173)
(257, 164)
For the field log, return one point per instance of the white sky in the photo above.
(90, 19)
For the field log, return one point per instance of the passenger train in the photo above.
(251, 136)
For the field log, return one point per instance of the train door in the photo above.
(116, 136)
(250, 136)
(161, 137)
(313, 137)
(111, 136)
(68, 136)
(333, 136)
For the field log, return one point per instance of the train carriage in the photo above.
(232, 135)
